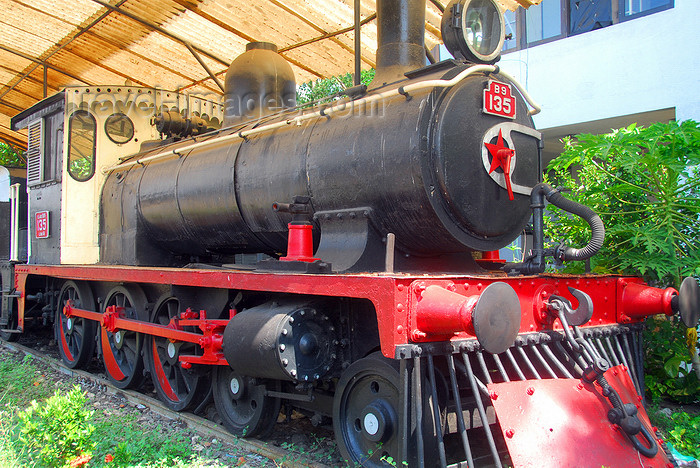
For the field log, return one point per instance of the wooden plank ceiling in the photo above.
(46, 45)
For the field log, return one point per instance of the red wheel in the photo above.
(121, 351)
(178, 388)
(75, 335)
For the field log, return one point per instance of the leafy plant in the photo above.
(10, 157)
(680, 429)
(58, 430)
(645, 185)
(685, 435)
(329, 87)
(129, 444)
(668, 374)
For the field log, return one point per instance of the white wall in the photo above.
(640, 65)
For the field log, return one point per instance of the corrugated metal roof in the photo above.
(95, 42)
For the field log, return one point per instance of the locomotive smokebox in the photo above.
(259, 82)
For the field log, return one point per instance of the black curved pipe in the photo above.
(535, 262)
(588, 215)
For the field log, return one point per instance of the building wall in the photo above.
(645, 64)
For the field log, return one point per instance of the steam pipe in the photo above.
(535, 263)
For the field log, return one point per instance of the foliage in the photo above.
(128, 444)
(81, 168)
(645, 185)
(685, 435)
(43, 428)
(10, 157)
(58, 430)
(329, 87)
(666, 362)
(681, 429)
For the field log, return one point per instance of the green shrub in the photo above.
(645, 185)
(666, 362)
(130, 444)
(58, 430)
(681, 430)
(325, 87)
(10, 156)
(685, 435)
(20, 380)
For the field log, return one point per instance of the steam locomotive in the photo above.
(340, 259)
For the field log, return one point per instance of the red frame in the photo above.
(394, 297)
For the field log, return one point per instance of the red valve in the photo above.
(502, 156)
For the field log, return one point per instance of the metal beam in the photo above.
(11, 140)
(105, 67)
(316, 27)
(40, 62)
(194, 9)
(161, 30)
(11, 105)
(29, 78)
(108, 42)
(44, 59)
(204, 65)
(331, 34)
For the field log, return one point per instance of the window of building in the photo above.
(589, 15)
(633, 8)
(543, 21)
(82, 132)
(511, 41)
(556, 19)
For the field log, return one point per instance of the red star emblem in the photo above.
(501, 157)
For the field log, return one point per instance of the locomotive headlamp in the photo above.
(473, 30)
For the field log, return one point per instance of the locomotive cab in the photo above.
(73, 136)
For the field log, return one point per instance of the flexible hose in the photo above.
(588, 215)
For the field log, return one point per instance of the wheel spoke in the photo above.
(78, 341)
(177, 388)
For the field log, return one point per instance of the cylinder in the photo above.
(285, 341)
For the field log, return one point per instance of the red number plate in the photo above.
(41, 224)
(499, 100)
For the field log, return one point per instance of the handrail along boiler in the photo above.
(340, 259)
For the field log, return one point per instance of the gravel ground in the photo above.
(297, 439)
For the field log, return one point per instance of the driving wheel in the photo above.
(75, 335)
(243, 404)
(121, 350)
(178, 388)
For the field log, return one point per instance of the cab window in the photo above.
(82, 131)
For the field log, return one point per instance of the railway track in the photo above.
(203, 426)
